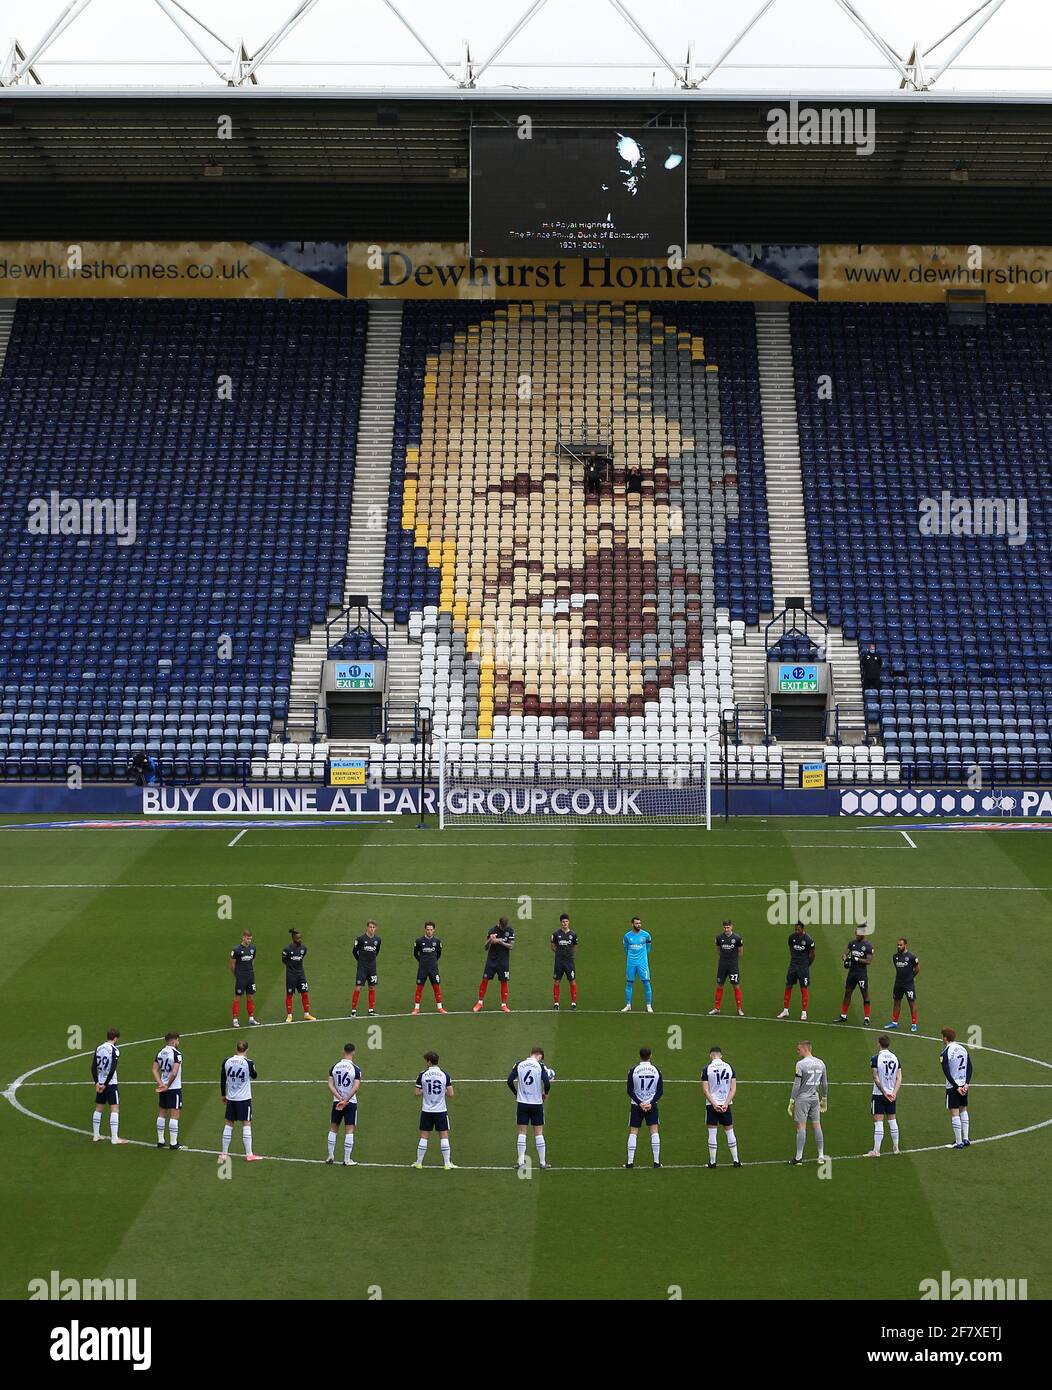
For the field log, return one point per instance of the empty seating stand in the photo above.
(232, 428)
(920, 408)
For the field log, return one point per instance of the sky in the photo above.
(801, 45)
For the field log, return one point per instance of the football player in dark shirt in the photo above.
(729, 947)
(564, 948)
(499, 941)
(295, 976)
(856, 959)
(366, 952)
(907, 968)
(427, 949)
(801, 958)
(243, 969)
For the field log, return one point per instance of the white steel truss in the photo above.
(236, 64)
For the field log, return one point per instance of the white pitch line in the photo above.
(715, 845)
(570, 1081)
(237, 837)
(518, 883)
(906, 837)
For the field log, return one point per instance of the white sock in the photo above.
(878, 1134)
(160, 1129)
(955, 1123)
(115, 1120)
(96, 1122)
(893, 1130)
(348, 1142)
(732, 1143)
(542, 1149)
(228, 1132)
(421, 1150)
(655, 1145)
(246, 1135)
(331, 1141)
(443, 1145)
(520, 1150)
(631, 1148)
(801, 1139)
(712, 1143)
(964, 1124)
(820, 1140)
(173, 1130)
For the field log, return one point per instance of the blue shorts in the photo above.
(239, 1110)
(636, 972)
(637, 1117)
(348, 1115)
(529, 1114)
(883, 1106)
(718, 1117)
(170, 1100)
(107, 1096)
(434, 1119)
(955, 1101)
(244, 986)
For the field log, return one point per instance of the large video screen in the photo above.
(568, 192)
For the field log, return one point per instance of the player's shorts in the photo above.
(637, 972)
(244, 986)
(529, 1114)
(362, 976)
(348, 1115)
(795, 976)
(170, 1100)
(718, 1117)
(882, 1106)
(955, 1101)
(428, 974)
(434, 1119)
(297, 984)
(107, 1097)
(562, 968)
(807, 1108)
(903, 991)
(491, 969)
(239, 1110)
(638, 1117)
(727, 972)
(854, 979)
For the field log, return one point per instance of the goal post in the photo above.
(481, 782)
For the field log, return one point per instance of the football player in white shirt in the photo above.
(646, 1086)
(104, 1074)
(530, 1081)
(434, 1086)
(720, 1085)
(236, 1076)
(344, 1079)
(887, 1079)
(168, 1074)
(957, 1069)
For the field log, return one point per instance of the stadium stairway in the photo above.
(789, 558)
(365, 554)
(7, 318)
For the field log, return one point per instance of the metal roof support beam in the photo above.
(881, 44)
(991, 7)
(473, 74)
(301, 11)
(430, 53)
(73, 10)
(736, 41)
(630, 19)
(14, 64)
(189, 36)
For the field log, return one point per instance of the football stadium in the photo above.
(525, 663)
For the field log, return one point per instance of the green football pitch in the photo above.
(132, 928)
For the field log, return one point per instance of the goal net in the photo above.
(482, 782)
